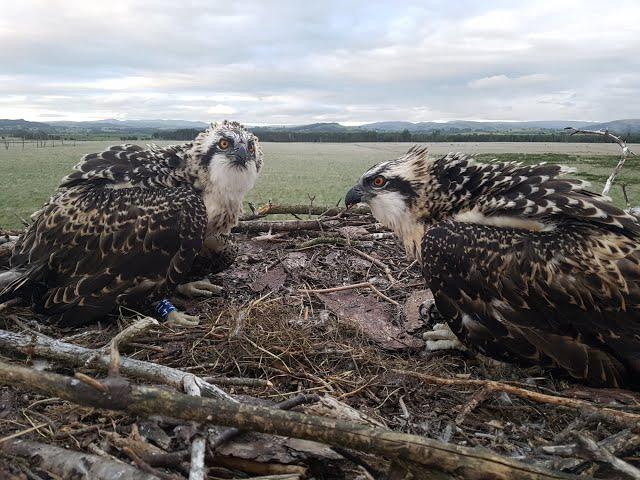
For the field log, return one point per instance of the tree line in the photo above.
(347, 136)
(272, 135)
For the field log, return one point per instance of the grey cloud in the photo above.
(296, 62)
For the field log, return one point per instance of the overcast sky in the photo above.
(287, 62)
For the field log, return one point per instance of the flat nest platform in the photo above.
(323, 310)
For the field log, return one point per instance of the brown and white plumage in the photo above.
(128, 224)
(525, 264)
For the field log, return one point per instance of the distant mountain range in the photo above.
(112, 126)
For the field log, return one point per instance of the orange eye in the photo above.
(379, 181)
(252, 148)
(223, 143)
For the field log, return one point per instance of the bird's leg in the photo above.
(440, 337)
(172, 316)
(199, 288)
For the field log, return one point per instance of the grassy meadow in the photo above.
(293, 171)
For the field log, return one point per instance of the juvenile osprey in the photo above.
(524, 264)
(128, 225)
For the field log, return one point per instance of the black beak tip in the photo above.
(353, 197)
(241, 155)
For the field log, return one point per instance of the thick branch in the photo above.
(74, 355)
(70, 464)
(197, 470)
(274, 209)
(283, 226)
(460, 462)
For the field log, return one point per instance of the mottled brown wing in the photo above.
(93, 249)
(152, 167)
(218, 254)
(568, 298)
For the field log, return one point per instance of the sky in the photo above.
(293, 62)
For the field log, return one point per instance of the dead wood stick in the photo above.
(385, 268)
(231, 433)
(131, 332)
(169, 459)
(145, 467)
(603, 455)
(275, 209)
(283, 226)
(618, 444)
(197, 470)
(239, 381)
(36, 344)
(285, 476)
(70, 464)
(618, 416)
(354, 286)
(22, 432)
(255, 467)
(460, 462)
(323, 241)
(625, 153)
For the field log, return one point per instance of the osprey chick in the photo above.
(127, 225)
(524, 264)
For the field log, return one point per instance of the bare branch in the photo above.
(625, 152)
(197, 470)
(69, 464)
(618, 416)
(36, 344)
(601, 454)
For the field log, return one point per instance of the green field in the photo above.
(294, 170)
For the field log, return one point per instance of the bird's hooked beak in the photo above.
(240, 153)
(354, 196)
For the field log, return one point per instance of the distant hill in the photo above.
(619, 126)
(20, 124)
(471, 126)
(428, 127)
(164, 128)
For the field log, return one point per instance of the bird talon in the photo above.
(181, 319)
(199, 288)
(442, 338)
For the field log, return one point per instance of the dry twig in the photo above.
(352, 287)
(618, 416)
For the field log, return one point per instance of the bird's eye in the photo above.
(223, 143)
(379, 181)
(252, 147)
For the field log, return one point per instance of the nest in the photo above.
(323, 310)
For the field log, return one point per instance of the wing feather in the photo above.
(568, 298)
(104, 247)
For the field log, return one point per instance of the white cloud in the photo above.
(271, 62)
(502, 81)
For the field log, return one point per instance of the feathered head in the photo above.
(226, 153)
(411, 192)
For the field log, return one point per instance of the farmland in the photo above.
(295, 170)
